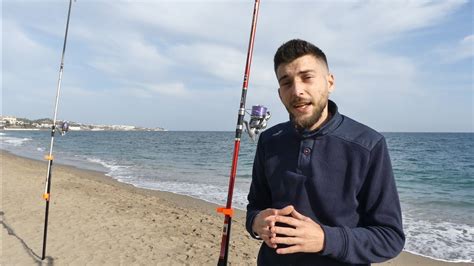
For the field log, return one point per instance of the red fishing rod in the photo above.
(49, 157)
(227, 210)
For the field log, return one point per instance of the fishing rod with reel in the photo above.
(63, 129)
(258, 121)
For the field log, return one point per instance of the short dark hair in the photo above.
(296, 48)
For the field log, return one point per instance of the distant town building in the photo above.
(74, 128)
(13, 123)
(9, 120)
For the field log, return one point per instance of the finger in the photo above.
(290, 249)
(269, 212)
(266, 230)
(266, 233)
(298, 215)
(288, 220)
(266, 239)
(263, 215)
(274, 211)
(264, 224)
(270, 221)
(285, 240)
(287, 231)
(285, 211)
(273, 232)
(271, 245)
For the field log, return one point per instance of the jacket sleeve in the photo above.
(379, 236)
(259, 196)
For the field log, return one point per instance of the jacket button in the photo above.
(306, 151)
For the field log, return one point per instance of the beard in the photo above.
(306, 122)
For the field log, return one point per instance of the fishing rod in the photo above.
(49, 157)
(227, 210)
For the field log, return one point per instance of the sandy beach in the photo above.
(96, 220)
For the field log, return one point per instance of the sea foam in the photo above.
(14, 141)
(444, 241)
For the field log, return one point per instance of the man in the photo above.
(323, 191)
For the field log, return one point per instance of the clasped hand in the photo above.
(303, 235)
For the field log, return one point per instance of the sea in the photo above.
(434, 174)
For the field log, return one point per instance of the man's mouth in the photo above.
(301, 106)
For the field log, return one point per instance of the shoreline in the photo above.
(100, 212)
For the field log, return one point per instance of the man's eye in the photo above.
(285, 83)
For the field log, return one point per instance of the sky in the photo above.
(400, 66)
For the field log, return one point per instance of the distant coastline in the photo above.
(14, 123)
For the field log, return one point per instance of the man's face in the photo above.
(305, 84)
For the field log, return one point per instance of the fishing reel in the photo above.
(258, 121)
(64, 128)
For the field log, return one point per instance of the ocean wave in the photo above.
(14, 141)
(444, 241)
(206, 192)
(115, 170)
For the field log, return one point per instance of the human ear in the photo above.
(331, 82)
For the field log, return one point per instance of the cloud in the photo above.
(22, 49)
(161, 54)
(386, 19)
(219, 61)
(29, 69)
(130, 56)
(173, 89)
(205, 20)
(456, 51)
(133, 90)
(466, 48)
(150, 90)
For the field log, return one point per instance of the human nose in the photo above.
(297, 88)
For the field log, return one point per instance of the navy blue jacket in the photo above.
(341, 177)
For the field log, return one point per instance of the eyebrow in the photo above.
(299, 73)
